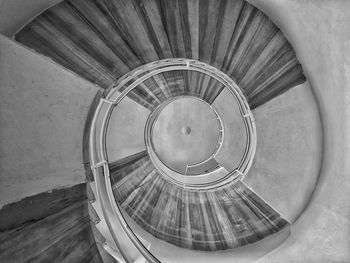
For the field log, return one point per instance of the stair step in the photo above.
(98, 218)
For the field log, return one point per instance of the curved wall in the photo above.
(289, 151)
(44, 212)
(43, 111)
(16, 13)
(319, 32)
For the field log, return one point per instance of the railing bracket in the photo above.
(108, 101)
(239, 172)
(98, 164)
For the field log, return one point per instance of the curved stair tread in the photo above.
(216, 220)
(234, 36)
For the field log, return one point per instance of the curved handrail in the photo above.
(98, 153)
(104, 188)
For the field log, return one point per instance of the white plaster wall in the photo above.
(42, 115)
(289, 151)
(126, 129)
(319, 32)
(16, 13)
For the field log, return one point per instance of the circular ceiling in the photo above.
(185, 132)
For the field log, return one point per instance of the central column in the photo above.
(185, 132)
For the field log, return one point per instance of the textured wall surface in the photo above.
(15, 13)
(43, 110)
(126, 130)
(289, 151)
(319, 32)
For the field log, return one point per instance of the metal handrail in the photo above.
(97, 140)
(103, 187)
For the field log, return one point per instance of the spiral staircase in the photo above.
(202, 136)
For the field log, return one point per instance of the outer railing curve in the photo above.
(97, 140)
